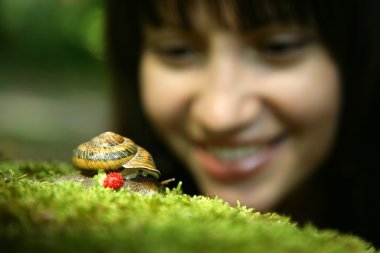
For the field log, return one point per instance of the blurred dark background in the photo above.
(54, 85)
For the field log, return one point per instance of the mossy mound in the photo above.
(39, 215)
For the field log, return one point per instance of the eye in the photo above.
(283, 47)
(280, 49)
(177, 54)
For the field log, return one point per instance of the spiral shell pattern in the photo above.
(110, 151)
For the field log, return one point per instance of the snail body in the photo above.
(111, 152)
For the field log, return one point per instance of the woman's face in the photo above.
(251, 113)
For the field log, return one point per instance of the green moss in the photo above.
(37, 214)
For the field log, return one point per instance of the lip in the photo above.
(241, 169)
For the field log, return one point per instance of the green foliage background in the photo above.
(54, 85)
(41, 30)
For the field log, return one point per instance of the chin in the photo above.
(259, 205)
(259, 199)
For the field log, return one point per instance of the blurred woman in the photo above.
(270, 103)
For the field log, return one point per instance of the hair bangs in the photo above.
(246, 14)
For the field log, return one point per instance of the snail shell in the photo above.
(110, 151)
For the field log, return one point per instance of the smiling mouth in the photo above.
(231, 163)
(229, 154)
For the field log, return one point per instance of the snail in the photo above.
(111, 152)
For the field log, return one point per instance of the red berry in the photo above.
(113, 180)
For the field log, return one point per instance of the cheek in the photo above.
(310, 96)
(309, 106)
(164, 93)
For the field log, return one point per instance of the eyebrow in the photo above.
(170, 31)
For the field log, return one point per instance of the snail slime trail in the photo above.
(116, 162)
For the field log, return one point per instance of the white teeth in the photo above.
(234, 153)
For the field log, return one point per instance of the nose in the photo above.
(226, 101)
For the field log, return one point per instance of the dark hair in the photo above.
(347, 198)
